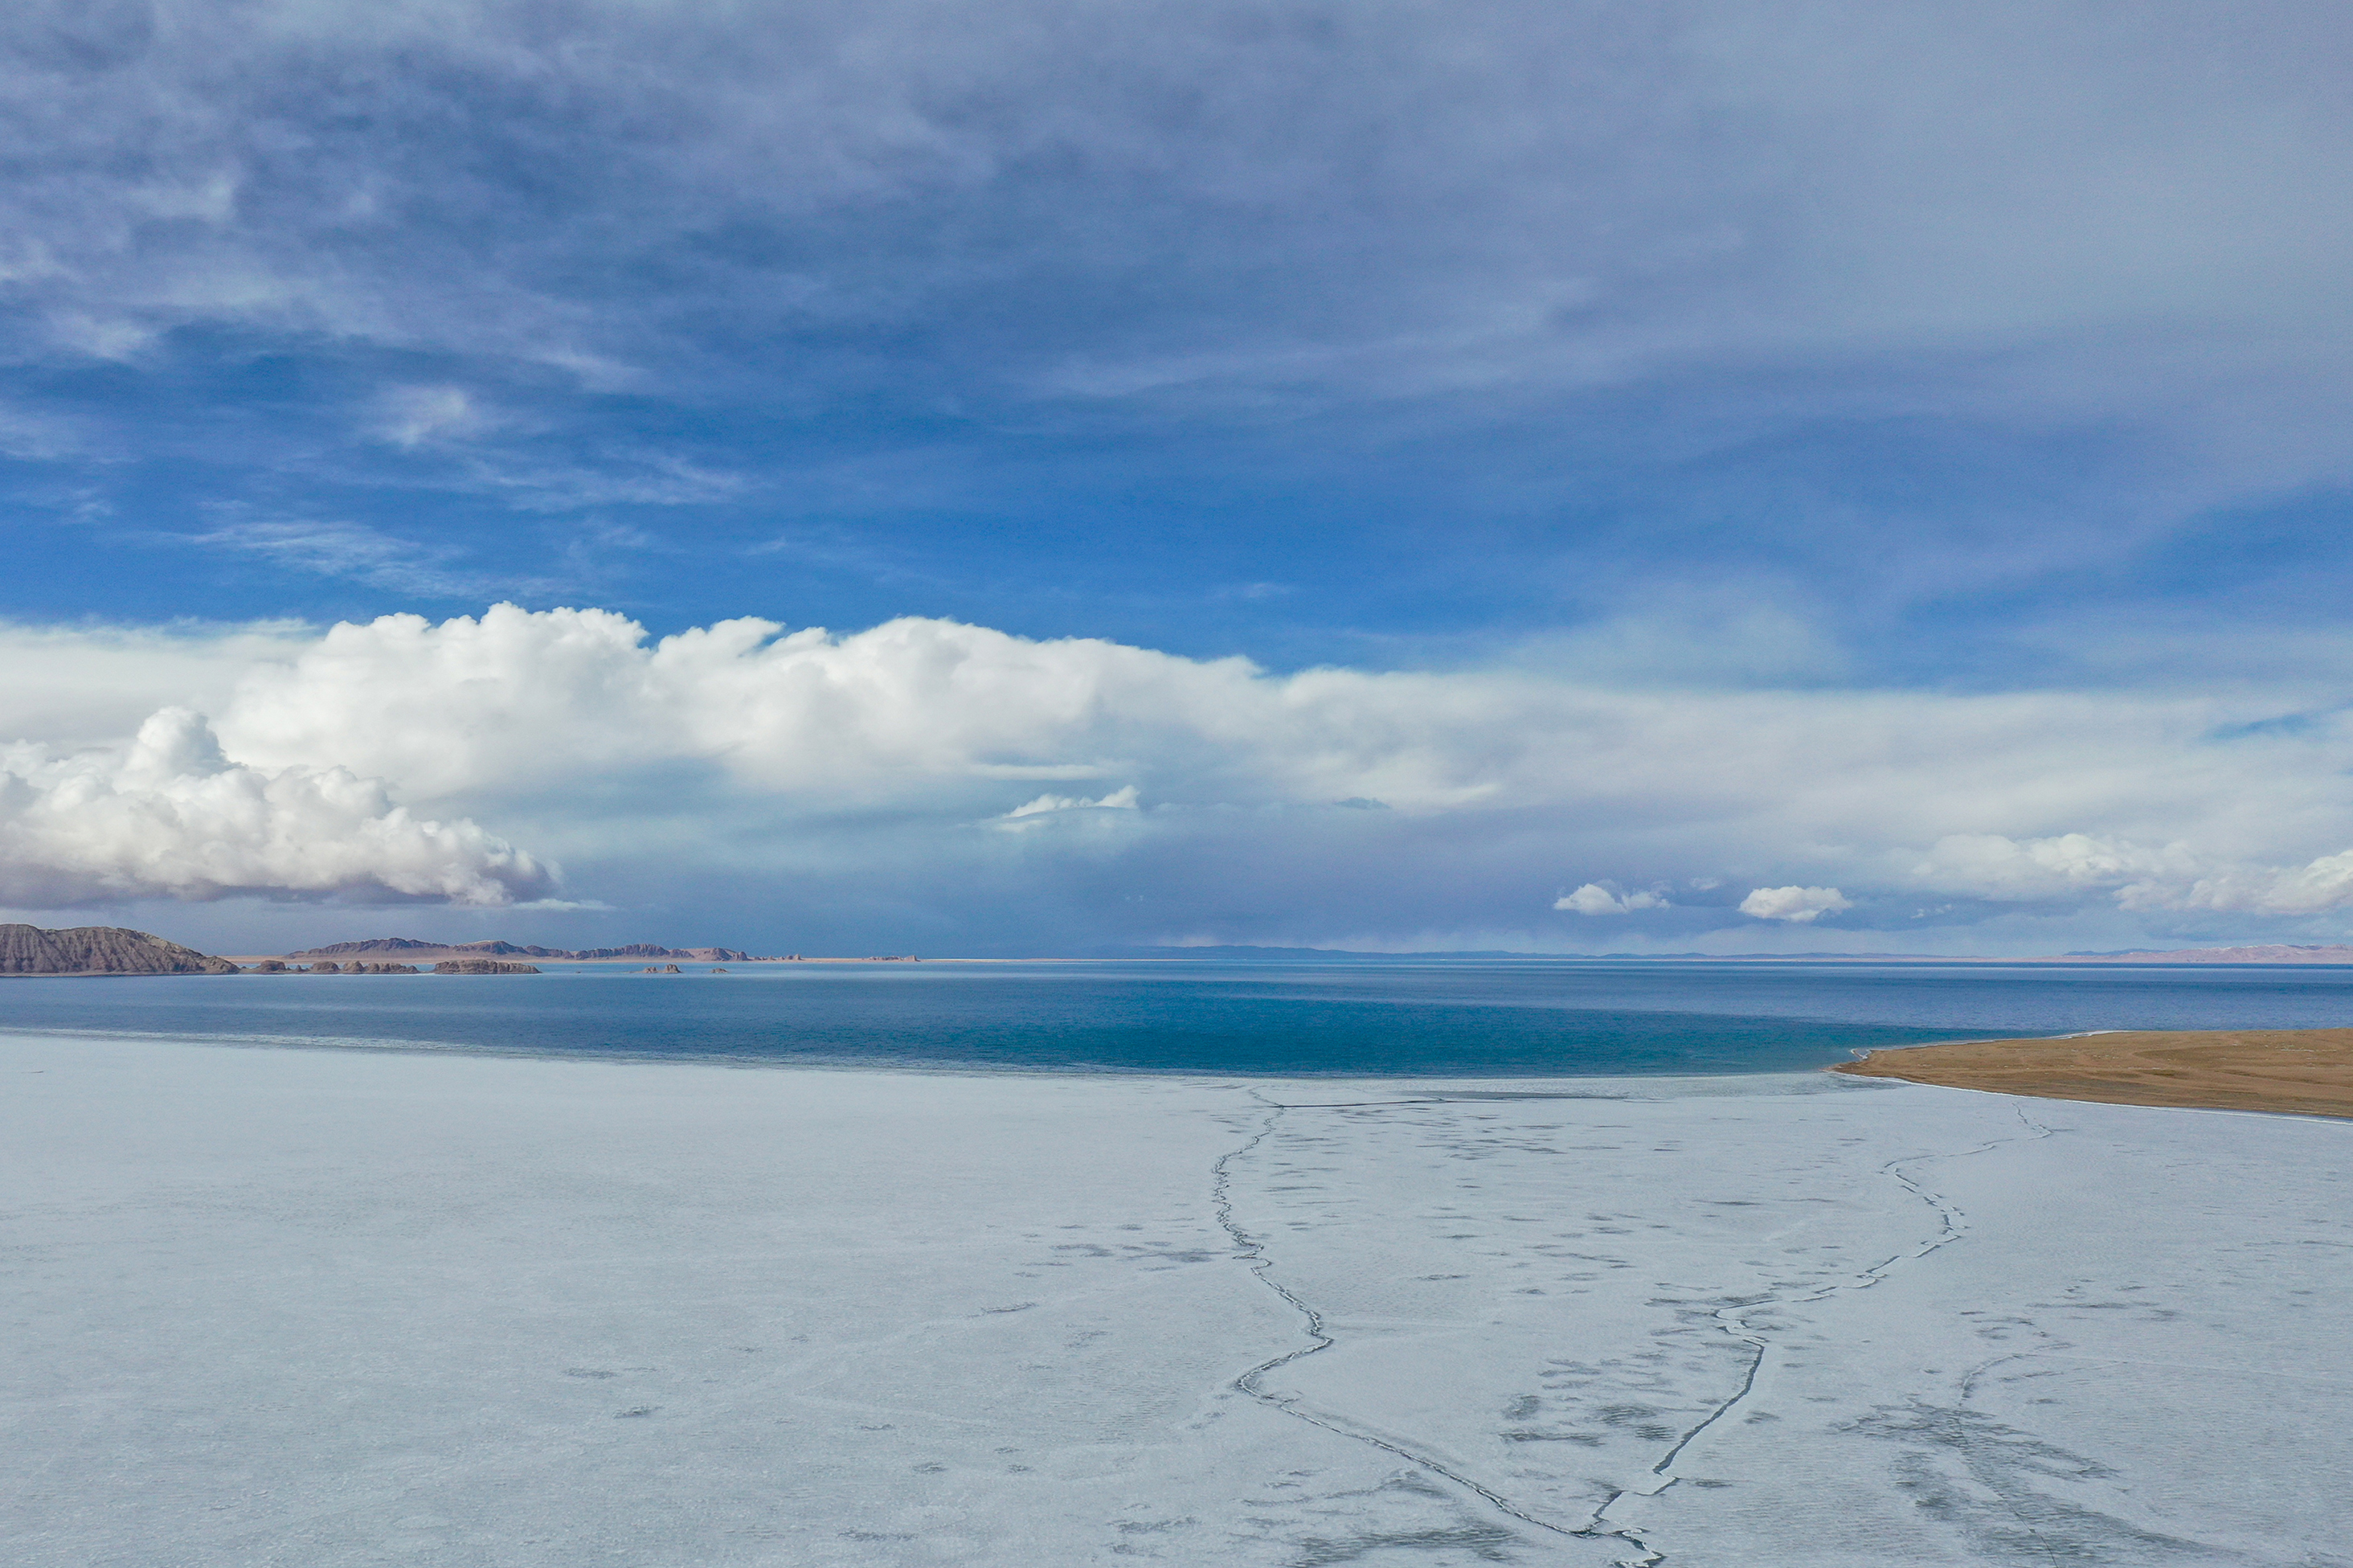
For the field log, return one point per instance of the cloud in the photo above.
(1800, 905)
(1595, 899)
(410, 417)
(170, 816)
(415, 568)
(1111, 814)
(1121, 800)
(1902, 304)
(2325, 883)
(2171, 876)
(1989, 865)
(1508, 194)
(353, 550)
(931, 715)
(37, 437)
(867, 766)
(87, 685)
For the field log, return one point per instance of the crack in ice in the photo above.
(1254, 1253)
(1734, 1320)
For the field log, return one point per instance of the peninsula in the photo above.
(2306, 1072)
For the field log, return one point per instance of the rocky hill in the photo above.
(99, 950)
(407, 949)
(647, 950)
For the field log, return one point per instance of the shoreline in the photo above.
(2297, 1072)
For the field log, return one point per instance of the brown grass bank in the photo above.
(2308, 1071)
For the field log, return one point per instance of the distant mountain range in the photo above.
(2274, 953)
(409, 951)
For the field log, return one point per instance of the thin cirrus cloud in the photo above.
(410, 417)
(350, 551)
(1673, 132)
(830, 765)
(1582, 270)
(342, 549)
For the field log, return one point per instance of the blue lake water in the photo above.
(1453, 1018)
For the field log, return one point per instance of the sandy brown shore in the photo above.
(2308, 1071)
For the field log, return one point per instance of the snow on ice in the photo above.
(353, 1308)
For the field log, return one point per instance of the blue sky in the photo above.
(1697, 358)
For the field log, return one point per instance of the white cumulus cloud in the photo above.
(1593, 898)
(2176, 876)
(1801, 906)
(170, 816)
(1123, 800)
(2321, 884)
(874, 764)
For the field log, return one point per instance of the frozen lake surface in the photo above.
(340, 1307)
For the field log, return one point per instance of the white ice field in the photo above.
(281, 1307)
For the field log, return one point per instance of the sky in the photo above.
(1047, 477)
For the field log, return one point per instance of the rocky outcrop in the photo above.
(99, 950)
(483, 967)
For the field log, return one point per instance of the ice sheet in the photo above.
(340, 1308)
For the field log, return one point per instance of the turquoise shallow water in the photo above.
(1447, 1018)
